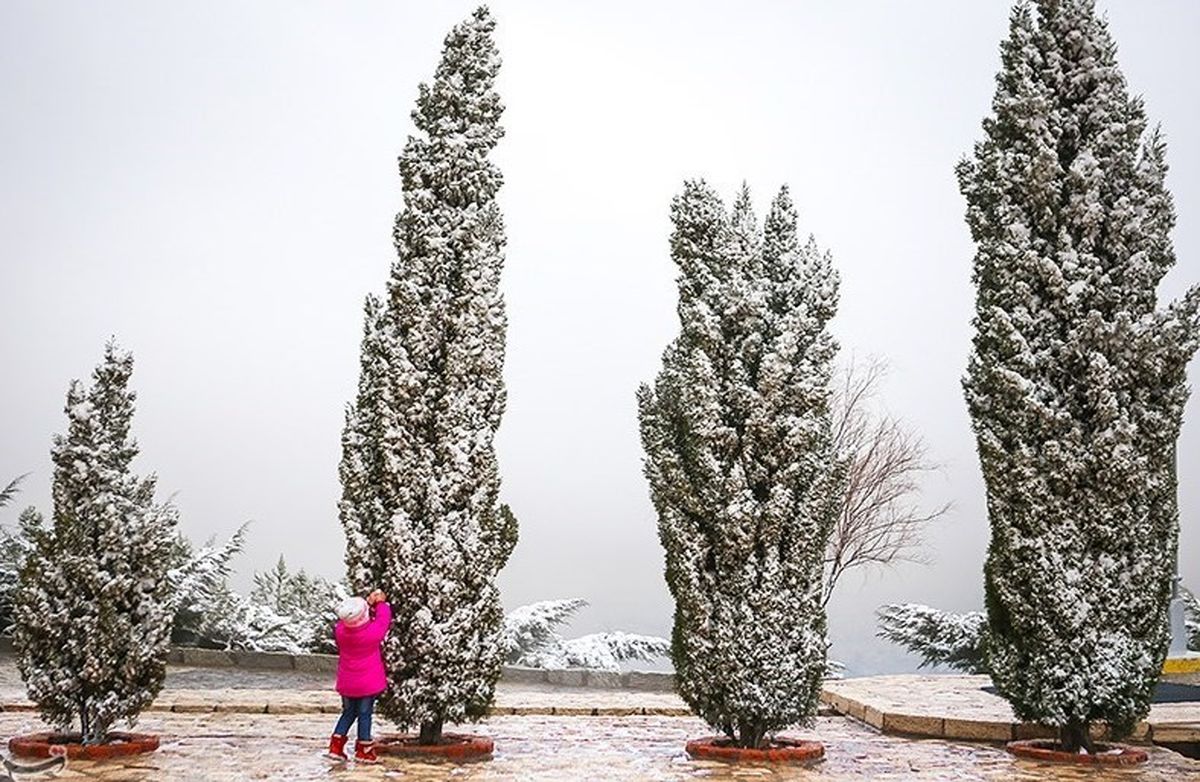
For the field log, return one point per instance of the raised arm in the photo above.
(381, 623)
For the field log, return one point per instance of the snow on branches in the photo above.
(284, 612)
(420, 482)
(1076, 380)
(10, 491)
(939, 637)
(530, 632)
(92, 618)
(1191, 621)
(739, 458)
(532, 640)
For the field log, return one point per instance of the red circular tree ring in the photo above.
(46, 745)
(454, 746)
(1106, 754)
(778, 751)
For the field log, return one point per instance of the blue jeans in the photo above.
(356, 709)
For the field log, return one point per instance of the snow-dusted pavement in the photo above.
(637, 736)
(958, 707)
(227, 747)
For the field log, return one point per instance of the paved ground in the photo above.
(957, 707)
(214, 729)
(245, 748)
(190, 690)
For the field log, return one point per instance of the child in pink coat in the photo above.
(361, 628)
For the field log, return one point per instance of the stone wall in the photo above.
(327, 663)
(649, 681)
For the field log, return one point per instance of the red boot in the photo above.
(364, 752)
(337, 747)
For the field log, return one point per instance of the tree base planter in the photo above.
(453, 746)
(46, 745)
(1105, 755)
(779, 751)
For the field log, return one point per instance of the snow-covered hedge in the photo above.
(284, 612)
(532, 640)
(957, 640)
(939, 637)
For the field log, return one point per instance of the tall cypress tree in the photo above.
(739, 460)
(419, 474)
(1076, 380)
(93, 612)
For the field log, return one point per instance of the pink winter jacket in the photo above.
(360, 656)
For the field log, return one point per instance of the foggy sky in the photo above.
(214, 184)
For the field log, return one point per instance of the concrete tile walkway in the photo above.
(220, 725)
(243, 747)
(957, 707)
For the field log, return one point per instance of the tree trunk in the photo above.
(431, 732)
(1075, 736)
(750, 734)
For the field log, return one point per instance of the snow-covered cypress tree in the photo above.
(93, 615)
(736, 432)
(1076, 380)
(419, 474)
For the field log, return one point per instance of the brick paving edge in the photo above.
(946, 727)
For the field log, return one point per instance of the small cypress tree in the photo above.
(736, 432)
(420, 483)
(93, 615)
(1076, 381)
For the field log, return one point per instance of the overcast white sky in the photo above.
(214, 183)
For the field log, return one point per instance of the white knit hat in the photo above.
(353, 611)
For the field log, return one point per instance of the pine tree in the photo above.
(939, 637)
(531, 640)
(736, 432)
(1191, 619)
(200, 587)
(1076, 380)
(308, 602)
(419, 474)
(93, 616)
(12, 555)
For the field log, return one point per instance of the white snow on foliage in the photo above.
(939, 637)
(531, 640)
(1077, 378)
(92, 615)
(737, 436)
(420, 483)
(285, 611)
(1191, 620)
(606, 651)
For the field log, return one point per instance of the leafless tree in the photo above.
(881, 522)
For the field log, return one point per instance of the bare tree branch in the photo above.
(881, 522)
